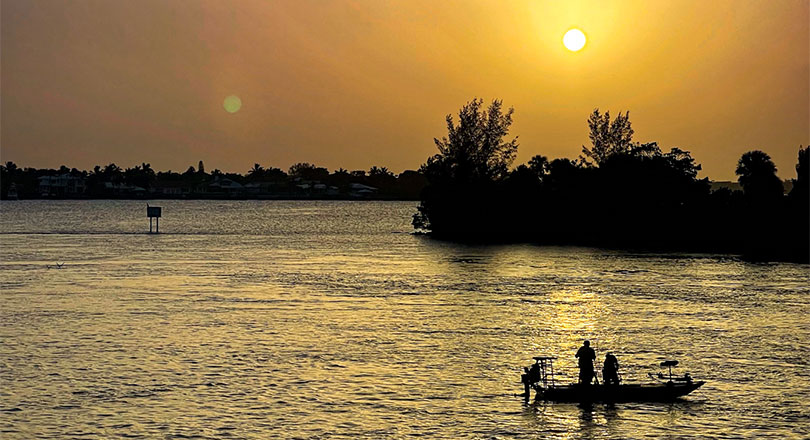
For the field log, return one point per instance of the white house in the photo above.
(63, 184)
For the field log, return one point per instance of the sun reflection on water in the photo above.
(343, 325)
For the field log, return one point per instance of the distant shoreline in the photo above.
(715, 185)
(163, 197)
(705, 250)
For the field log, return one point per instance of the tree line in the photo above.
(112, 180)
(617, 193)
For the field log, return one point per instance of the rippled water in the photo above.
(329, 319)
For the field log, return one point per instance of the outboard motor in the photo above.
(531, 376)
(539, 372)
(526, 380)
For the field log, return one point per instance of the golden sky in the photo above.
(359, 83)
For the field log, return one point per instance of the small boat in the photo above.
(665, 388)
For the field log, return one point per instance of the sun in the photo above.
(574, 40)
(232, 104)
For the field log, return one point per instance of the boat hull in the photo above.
(663, 392)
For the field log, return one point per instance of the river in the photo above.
(329, 319)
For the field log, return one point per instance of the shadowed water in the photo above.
(315, 319)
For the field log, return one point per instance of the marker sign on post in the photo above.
(153, 212)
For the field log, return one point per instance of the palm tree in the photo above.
(758, 177)
(257, 172)
(379, 171)
(112, 173)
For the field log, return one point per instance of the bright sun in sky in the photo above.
(232, 104)
(574, 40)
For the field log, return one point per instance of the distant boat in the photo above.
(12, 192)
(667, 388)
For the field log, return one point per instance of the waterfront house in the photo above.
(62, 185)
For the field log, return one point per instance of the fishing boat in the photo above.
(663, 388)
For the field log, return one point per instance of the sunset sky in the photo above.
(359, 83)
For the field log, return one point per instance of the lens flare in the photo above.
(232, 104)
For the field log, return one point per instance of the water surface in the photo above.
(308, 319)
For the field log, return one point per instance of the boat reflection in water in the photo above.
(540, 376)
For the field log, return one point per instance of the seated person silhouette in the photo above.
(610, 370)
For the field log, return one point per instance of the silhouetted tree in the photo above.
(801, 185)
(308, 171)
(256, 173)
(463, 197)
(340, 178)
(607, 137)
(523, 178)
(757, 176)
(141, 175)
(539, 165)
(169, 176)
(620, 193)
(379, 171)
(274, 174)
(8, 175)
(474, 149)
(112, 173)
(261, 174)
(296, 170)
(798, 237)
(381, 178)
(410, 184)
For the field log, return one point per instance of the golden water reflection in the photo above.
(343, 326)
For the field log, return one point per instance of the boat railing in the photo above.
(686, 378)
(545, 365)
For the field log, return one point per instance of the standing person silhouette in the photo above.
(586, 357)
